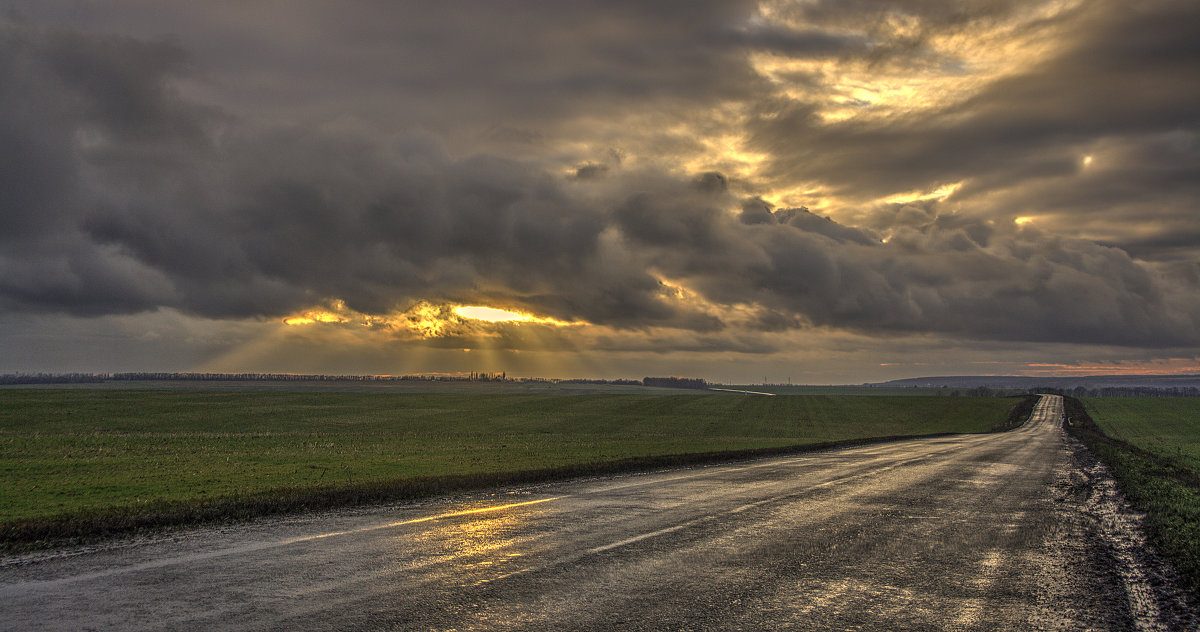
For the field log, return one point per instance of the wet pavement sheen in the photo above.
(971, 532)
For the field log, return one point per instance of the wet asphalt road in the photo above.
(965, 532)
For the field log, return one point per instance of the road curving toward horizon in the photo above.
(962, 532)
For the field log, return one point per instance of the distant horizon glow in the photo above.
(1185, 367)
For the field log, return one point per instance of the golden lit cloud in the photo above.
(424, 320)
(674, 289)
(736, 314)
(957, 63)
(882, 88)
(334, 314)
(728, 153)
(940, 193)
(494, 315)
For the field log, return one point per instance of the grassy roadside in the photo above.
(1018, 414)
(1152, 447)
(81, 464)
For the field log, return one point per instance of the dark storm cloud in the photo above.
(591, 171)
(63, 95)
(1139, 193)
(1177, 241)
(127, 196)
(874, 16)
(954, 276)
(808, 43)
(123, 217)
(527, 67)
(895, 33)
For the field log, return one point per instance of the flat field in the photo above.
(1152, 446)
(1166, 426)
(72, 453)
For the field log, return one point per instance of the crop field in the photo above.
(1166, 426)
(1152, 446)
(78, 456)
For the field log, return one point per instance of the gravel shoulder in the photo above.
(1097, 521)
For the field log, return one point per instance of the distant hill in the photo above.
(1025, 382)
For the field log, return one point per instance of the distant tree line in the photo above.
(579, 380)
(263, 377)
(1123, 391)
(676, 382)
(978, 391)
(87, 378)
(1081, 391)
(51, 378)
(477, 376)
(143, 376)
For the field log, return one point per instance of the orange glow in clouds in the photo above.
(335, 314)
(423, 319)
(493, 315)
(1160, 367)
(490, 314)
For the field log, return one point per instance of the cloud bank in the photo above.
(687, 177)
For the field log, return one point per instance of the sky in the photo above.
(809, 191)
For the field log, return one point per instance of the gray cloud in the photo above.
(1022, 286)
(128, 192)
(476, 65)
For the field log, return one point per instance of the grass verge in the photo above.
(1018, 414)
(80, 465)
(1157, 476)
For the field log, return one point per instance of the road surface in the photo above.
(965, 532)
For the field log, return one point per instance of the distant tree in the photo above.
(676, 382)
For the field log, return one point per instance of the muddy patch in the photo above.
(1134, 588)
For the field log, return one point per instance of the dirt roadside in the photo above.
(1097, 520)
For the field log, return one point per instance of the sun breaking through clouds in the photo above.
(423, 319)
(817, 189)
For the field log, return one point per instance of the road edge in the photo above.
(1139, 480)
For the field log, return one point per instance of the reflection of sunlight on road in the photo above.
(483, 541)
(401, 523)
(469, 546)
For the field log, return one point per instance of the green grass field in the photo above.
(68, 455)
(1152, 446)
(1166, 426)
